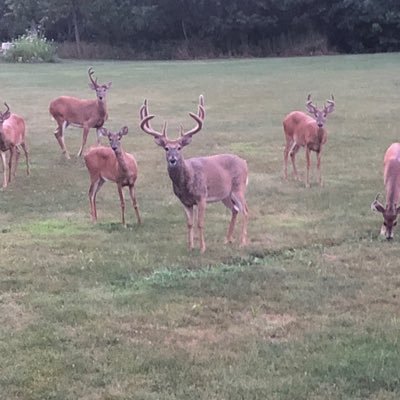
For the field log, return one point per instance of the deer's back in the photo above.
(13, 131)
(221, 174)
(73, 109)
(392, 167)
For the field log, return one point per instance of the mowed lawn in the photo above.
(308, 310)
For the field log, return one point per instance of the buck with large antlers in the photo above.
(111, 164)
(12, 136)
(391, 176)
(82, 113)
(302, 130)
(200, 180)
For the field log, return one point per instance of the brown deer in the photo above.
(12, 136)
(200, 180)
(391, 177)
(81, 113)
(111, 164)
(302, 130)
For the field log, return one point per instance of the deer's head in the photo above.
(320, 115)
(101, 90)
(390, 213)
(4, 116)
(172, 147)
(114, 137)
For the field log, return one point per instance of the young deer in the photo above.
(391, 176)
(302, 130)
(12, 136)
(82, 113)
(200, 180)
(111, 164)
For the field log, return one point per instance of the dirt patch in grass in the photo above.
(269, 327)
(13, 315)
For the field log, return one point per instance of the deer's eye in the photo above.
(385, 224)
(179, 147)
(166, 148)
(394, 223)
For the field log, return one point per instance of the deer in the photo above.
(12, 136)
(200, 180)
(302, 130)
(82, 113)
(112, 164)
(391, 177)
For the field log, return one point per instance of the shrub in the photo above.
(31, 48)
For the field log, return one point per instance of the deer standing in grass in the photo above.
(111, 164)
(12, 136)
(391, 176)
(82, 113)
(302, 130)
(200, 180)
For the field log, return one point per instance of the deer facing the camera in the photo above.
(12, 135)
(391, 177)
(112, 164)
(82, 113)
(302, 130)
(200, 180)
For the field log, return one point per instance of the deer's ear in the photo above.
(124, 131)
(160, 140)
(376, 206)
(185, 140)
(6, 115)
(103, 131)
(108, 85)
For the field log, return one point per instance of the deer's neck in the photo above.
(321, 135)
(123, 167)
(182, 177)
(102, 108)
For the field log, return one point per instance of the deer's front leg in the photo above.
(308, 167)
(189, 221)
(200, 223)
(11, 161)
(319, 154)
(122, 200)
(4, 162)
(84, 139)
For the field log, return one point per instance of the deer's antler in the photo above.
(91, 72)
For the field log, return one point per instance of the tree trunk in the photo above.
(76, 31)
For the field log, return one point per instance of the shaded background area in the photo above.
(185, 29)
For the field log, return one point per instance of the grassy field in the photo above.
(309, 310)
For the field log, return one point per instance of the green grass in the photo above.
(309, 310)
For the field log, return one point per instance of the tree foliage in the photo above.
(231, 26)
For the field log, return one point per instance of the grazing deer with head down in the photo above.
(12, 136)
(391, 176)
(111, 164)
(302, 130)
(82, 113)
(200, 180)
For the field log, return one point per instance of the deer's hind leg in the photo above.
(94, 188)
(288, 146)
(292, 152)
(25, 149)
(59, 134)
(4, 162)
(229, 204)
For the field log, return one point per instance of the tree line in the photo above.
(225, 27)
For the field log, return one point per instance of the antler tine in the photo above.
(145, 122)
(199, 118)
(8, 108)
(91, 72)
(377, 196)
